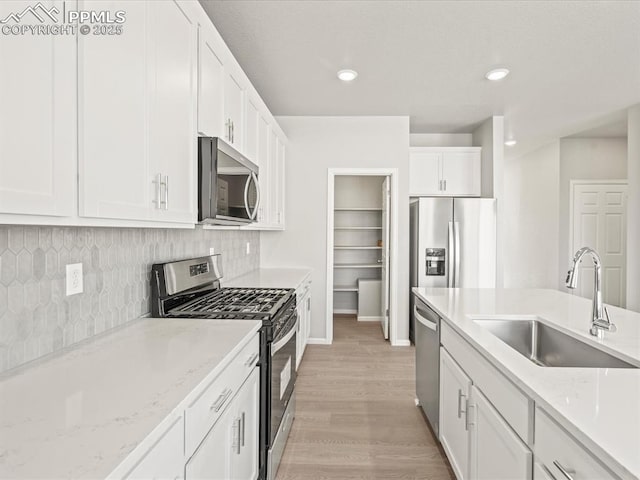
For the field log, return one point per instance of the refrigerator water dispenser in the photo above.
(434, 261)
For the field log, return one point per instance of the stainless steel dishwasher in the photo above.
(427, 339)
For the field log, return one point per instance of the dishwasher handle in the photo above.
(420, 316)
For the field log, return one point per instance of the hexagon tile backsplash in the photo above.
(36, 318)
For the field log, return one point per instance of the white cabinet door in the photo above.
(113, 96)
(540, 472)
(278, 184)
(497, 453)
(244, 455)
(251, 130)
(455, 388)
(172, 140)
(38, 122)
(424, 178)
(165, 459)
(264, 163)
(210, 86)
(233, 107)
(461, 173)
(230, 449)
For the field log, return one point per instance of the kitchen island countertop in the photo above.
(598, 406)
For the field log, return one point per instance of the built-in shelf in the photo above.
(357, 209)
(345, 288)
(356, 247)
(357, 228)
(357, 265)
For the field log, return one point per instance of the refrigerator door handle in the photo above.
(456, 229)
(451, 257)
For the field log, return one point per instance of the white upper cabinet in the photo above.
(233, 108)
(210, 86)
(38, 121)
(446, 171)
(137, 119)
(278, 184)
(172, 123)
(251, 131)
(264, 133)
(112, 117)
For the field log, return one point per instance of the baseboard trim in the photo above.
(318, 341)
(345, 311)
(369, 319)
(401, 343)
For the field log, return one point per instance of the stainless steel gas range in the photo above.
(191, 289)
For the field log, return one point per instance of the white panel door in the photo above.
(38, 121)
(599, 221)
(244, 455)
(112, 124)
(425, 173)
(461, 173)
(172, 122)
(386, 209)
(455, 388)
(210, 86)
(497, 453)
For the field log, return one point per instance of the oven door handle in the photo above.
(282, 342)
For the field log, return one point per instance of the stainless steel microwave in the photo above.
(228, 189)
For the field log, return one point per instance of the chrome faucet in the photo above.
(600, 316)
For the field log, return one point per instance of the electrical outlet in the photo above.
(212, 251)
(74, 278)
(248, 248)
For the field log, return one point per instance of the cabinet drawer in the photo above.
(205, 410)
(556, 449)
(514, 406)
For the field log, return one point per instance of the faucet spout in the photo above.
(600, 317)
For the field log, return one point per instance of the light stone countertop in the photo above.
(79, 413)
(600, 407)
(270, 278)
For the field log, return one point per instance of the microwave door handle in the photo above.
(255, 209)
(246, 197)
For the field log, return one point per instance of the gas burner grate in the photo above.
(231, 303)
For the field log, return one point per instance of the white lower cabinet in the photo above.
(230, 449)
(497, 453)
(303, 300)
(455, 388)
(541, 473)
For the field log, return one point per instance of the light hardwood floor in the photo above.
(356, 417)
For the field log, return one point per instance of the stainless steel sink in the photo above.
(548, 347)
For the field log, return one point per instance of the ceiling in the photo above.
(572, 62)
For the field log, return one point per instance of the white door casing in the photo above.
(598, 219)
(386, 204)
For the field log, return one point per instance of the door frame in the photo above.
(393, 174)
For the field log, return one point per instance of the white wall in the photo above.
(633, 217)
(585, 159)
(490, 136)
(315, 145)
(440, 140)
(531, 216)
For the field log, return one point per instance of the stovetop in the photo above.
(236, 303)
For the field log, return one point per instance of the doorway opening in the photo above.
(361, 235)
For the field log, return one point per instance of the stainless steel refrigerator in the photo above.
(453, 244)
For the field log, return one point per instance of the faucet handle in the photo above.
(606, 313)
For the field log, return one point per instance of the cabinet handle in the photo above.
(460, 397)
(252, 359)
(467, 413)
(242, 431)
(166, 192)
(233, 132)
(445, 185)
(221, 400)
(565, 471)
(439, 184)
(236, 436)
(158, 182)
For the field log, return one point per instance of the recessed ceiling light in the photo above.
(347, 75)
(510, 143)
(497, 74)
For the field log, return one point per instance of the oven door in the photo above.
(283, 377)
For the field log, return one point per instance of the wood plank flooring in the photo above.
(355, 416)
